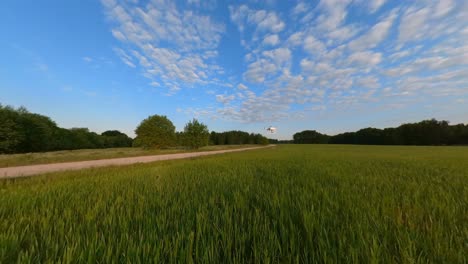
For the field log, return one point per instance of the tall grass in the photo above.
(291, 204)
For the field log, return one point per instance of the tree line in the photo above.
(159, 132)
(237, 137)
(22, 131)
(426, 132)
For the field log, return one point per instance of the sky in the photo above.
(328, 65)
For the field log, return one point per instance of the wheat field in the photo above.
(289, 204)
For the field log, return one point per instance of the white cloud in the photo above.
(259, 70)
(186, 30)
(109, 3)
(155, 84)
(368, 82)
(375, 35)
(262, 20)
(296, 39)
(224, 99)
(300, 60)
(271, 40)
(400, 54)
(375, 5)
(300, 8)
(118, 35)
(444, 7)
(145, 62)
(438, 62)
(242, 87)
(166, 41)
(343, 33)
(322, 67)
(365, 58)
(413, 24)
(238, 15)
(268, 21)
(307, 65)
(280, 56)
(313, 45)
(333, 13)
(125, 57)
(205, 4)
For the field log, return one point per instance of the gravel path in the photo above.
(22, 171)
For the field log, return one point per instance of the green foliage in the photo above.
(116, 139)
(237, 138)
(22, 132)
(196, 134)
(82, 137)
(259, 139)
(37, 131)
(10, 134)
(289, 204)
(310, 137)
(276, 141)
(426, 132)
(155, 132)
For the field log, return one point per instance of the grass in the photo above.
(290, 204)
(11, 160)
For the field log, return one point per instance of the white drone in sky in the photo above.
(271, 130)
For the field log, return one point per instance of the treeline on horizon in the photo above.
(22, 131)
(237, 138)
(426, 132)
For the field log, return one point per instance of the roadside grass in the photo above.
(290, 204)
(12, 160)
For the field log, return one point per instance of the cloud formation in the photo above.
(172, 46)
(334, 55)
(397, 55)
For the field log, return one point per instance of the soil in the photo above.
(22, 171)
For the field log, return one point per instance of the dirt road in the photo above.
(22, 171)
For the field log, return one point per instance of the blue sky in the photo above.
(329, 65)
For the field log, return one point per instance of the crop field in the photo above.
(288, 204)
(11, 160)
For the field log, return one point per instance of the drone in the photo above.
(271, 130)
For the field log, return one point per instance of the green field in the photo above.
(11, 160)
(289, 204)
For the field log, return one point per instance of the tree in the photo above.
(262, 140)
(116, 139)
(81, 139)
(310, 137)
(155, 132)
(10, 134)
(237, 138)
(196, 134)
(426, 132)
(369, 136)
(63, 139)
(37, 130)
